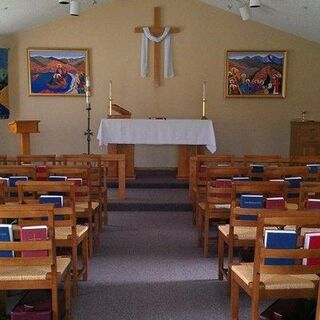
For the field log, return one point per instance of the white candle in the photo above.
(87, 97)
(110, 89)
(87, 83)
(204, 91)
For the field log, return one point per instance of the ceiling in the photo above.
(300, 17)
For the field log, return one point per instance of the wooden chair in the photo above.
(98, 190)
(199, 163)
(271, 173)
(3, 160)
(20, 273)
(213, 203)
(263, 281)
(308, 190)
(240, 232)
(69, 234)
(265, 161)
(84, 206)
(11, 193)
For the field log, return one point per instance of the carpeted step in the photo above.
(150, 200)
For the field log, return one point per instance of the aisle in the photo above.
(148, 266)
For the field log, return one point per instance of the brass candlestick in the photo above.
(110, 106)
(204, 105)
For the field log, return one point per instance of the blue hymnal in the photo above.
(54, 199)
(6, 234)
(313, 167)
(280, 239)
(14, 179)
(57, 178)
(251, 201)
(257, 167)
(294, 182)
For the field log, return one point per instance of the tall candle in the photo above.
(87, 96)
(110, 89)
(204, 91)
(87, 83)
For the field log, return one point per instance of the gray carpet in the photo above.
(149, 267)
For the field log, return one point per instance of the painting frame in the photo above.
(71, 78)
(256, 63)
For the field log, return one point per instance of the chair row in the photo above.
(256, 165)
(101, 165)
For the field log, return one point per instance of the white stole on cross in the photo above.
(168, 64)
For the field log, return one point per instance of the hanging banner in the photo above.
(4, 96)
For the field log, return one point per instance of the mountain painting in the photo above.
(57, 72)
(255, 74)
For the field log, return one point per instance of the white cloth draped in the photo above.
(144, 63)
(165, 132)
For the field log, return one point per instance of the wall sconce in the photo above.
(254, 3)
(74, 8)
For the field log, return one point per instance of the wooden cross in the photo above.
(157, 31)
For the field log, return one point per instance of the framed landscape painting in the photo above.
(57, 72)
(252, 74)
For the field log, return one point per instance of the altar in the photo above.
(190, 135)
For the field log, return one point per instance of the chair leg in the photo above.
(96, 228)
(255, 305)
(67, 287)
(230, 260)
(220, 255)
(206, 237)
(199, 228)
(85, 257)
(54, 302)
(3, 300)
(74, 271)
(235, 298)
(90, 230)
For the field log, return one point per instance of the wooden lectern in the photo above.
(24, 128)
(126, 149)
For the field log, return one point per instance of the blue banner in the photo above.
(4, 95)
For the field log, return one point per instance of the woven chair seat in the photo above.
(83, 206)
(275, 281)
(225, 206)
(241, 233)
(26, 273)
(64, 233)
(291, 206)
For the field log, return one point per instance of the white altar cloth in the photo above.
(143, 131)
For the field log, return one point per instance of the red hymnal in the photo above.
(313, 204)
(34, 233)
(223, 183)
(311, 241)
(77, 181)
(275, 203)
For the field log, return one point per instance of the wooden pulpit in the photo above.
(126, 149)
(24, 128)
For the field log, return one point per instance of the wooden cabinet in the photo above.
(305, 138)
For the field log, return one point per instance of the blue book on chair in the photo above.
(57, 200)
(6, 234)
(251, 201)
(294, 182)
(255, 167)
(280, 239)
(14, 179)
(313, 167)
(57, 178)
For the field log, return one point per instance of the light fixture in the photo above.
(245, 13)
(254, 3)
(74, 8)
(64, 1)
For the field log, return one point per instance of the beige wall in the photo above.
(241, 125)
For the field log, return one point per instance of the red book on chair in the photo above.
(275, 203)
(311, 241)
(313, 204)
(34, 233)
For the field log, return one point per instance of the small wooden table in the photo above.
(24, 128)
